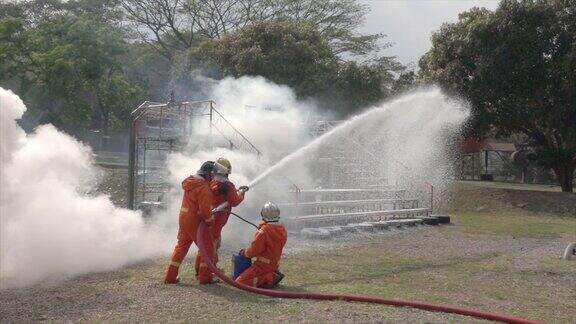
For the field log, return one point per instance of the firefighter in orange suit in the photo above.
(196, 207)
(265, 251)
(223, 190)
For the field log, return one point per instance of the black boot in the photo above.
(278, 276)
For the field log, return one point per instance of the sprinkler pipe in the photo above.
(352, 298)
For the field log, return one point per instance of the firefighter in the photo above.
(196, 207)
(223, 190)
(265, 250)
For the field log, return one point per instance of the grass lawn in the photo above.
(505, 261)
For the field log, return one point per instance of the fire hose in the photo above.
(353, 298)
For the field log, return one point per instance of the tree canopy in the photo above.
(87, 63)
(299, 56)
(65, 66)
(517, 66)
(295, 55)
(173, 25)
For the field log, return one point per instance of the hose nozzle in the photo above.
(243, 189)
(220, 207)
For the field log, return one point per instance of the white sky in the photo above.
(409, 24)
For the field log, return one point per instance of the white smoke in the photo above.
(51, 228)
(408, 142)
(271, 117)
(266, 113)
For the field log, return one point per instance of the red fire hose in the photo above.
(356, 298)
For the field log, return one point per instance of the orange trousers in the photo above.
(185, 240)
(257, 276)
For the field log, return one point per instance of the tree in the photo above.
(299, 56)
(359, 85)
(11, 9)
(517, 66)
(34, 11)
(68, 68)
(175, 25)
(407, 80)
(285, 53)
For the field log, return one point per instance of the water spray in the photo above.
(407, 111)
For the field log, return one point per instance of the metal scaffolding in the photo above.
(158, 129)
(353, 185)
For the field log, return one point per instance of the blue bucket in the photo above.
(239, 264)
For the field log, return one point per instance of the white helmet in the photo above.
(270, 212)
(220, 169)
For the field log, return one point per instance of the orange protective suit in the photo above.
(196, 207)
(265, 252)
(222, 191)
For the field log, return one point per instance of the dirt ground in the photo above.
(115, 184)
(522, 276)
(500, 258)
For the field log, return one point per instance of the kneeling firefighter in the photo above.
(265, 250)
(223, 191)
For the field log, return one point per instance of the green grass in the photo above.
(421, 267)
(493, 279)
(393, 276)
(504, 275)
(513, 186)
(503, 259)
(516, 223)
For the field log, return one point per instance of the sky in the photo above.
(409, 24)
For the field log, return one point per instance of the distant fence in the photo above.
(115, 141)
(501, 168)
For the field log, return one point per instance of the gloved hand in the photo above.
(243, 189)
(242, 253)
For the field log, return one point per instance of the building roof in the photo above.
(500, 147)
(474, 146)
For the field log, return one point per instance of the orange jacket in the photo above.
(196, 204)
(222, 192)
(225, 191)
(269, 241)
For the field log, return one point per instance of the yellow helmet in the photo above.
(225, 163)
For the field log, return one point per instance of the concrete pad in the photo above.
(381, 226)
(407, 222)
(443, 219)
(334, 230)
(315, 233)
(394, 223)
(418, 221)
(349, 229)
(431, 220)
(366, 227)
